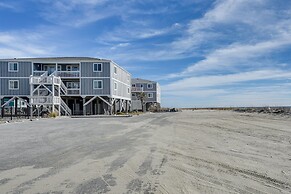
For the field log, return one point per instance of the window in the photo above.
(128, 90)
(133, 85)
(97, 84)
(115, 86)
(133, 95)
(74, 85)
(150, 86)
(12, 66)
(115, 70)
(59, 68)
(150, 95)
(75, 68)
(69, 68)
(13, 84)
(97, 67)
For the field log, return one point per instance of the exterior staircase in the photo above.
(46, 91)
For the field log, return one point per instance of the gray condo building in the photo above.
(66, 85)
(150, 90)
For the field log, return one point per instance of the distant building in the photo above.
(67, 85)
(149, 89)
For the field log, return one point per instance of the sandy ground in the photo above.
(187, 152)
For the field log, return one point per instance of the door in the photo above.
(50, 69)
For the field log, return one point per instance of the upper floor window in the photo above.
(97, 67)
(97, 84)
(115, 85)
(69, 67)
(13, 84)
(150, 86)
(71, 85)
(150, 95)
(133, 85)
(59, 68)
(12, 66)
(128, 90)
(115, 70)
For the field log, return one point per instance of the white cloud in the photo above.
(224, 80)
(7, 6)
(25, 44)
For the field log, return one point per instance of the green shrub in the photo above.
(53, 114)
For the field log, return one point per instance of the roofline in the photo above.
(143, 80)
(120, 67)
(56, 59)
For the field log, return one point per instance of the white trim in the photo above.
(67, 67)
(120, 67)
(120, 82)
(150, 95)
(72, 82)
(98, 84)
(58, 65)
(17, 66)
(97, 67)
(120, 97)
(13, 84)
(115, 68)
(150, 84)
(115, 84)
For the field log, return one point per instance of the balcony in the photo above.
(136, 89)
(41, 100)
(38, 73)
(73, 91)
(68, 74)
(44, 80)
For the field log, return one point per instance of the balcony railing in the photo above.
(40, 100)
(137, 89)
(45, 80)
(38, 73)
(69, 74)
(73, 91)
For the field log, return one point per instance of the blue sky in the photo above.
(204, 53)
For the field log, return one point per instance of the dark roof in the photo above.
(59, 59)
(139, 80)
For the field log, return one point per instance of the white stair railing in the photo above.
(64, 89)
(65, 108)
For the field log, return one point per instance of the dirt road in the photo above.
(187, 152)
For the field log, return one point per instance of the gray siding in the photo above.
(123, 80)
(154, 99)
(87, 87)
(24, 87)
(24, 69)
(145, 86)
(87, 69)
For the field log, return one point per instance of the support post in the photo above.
(15, 106)
(11, 112)
(84, 106)
(53, 94)
(114, 107)
(2, 108)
